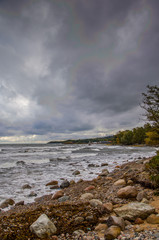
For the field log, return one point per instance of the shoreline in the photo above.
(69, 212)
(37, 166)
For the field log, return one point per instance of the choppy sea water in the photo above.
(37, 164)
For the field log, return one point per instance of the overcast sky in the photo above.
(75, 68)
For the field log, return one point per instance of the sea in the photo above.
(38, 164)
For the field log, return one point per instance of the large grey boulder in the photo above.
(43, 227)
(134, 210)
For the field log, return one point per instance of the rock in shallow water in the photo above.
(57, 194)
(32, 194)
(19, 203)
(43, 227)
(76, 172)
(6, 203)
(54, 182)
(26, 186)
(65, 184)
(104, 173)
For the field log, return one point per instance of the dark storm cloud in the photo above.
(75, 66)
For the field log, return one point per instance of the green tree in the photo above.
(151, 105)
(139, 135)
(119, 136)
(127, 137)
(152, 138)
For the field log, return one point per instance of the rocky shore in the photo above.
(117, 205)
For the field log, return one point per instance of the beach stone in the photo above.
(72, 182)
(6, 203)
(54, 237)
(120, 182)
(116, 221)
(127, 223)
(32, 194)
(86, 196)
(52, 183)
(130, 182)
(127, 192)
(22, 163)
(109, 178)
(95, 202)
(92, 165)
(144, 200)
(26, 186)
(76, 172)
(108, 207)
(80, 180)
(54, 187)
(104, 173)
(134, 210)
(139, 228)
(65, 184)
(78, 220)
(78, 233)
(87, 189)
(64, 198)
(90, 218)
(153, 219)
(101, 227)
(138, 221)
(112, 232)
(141, 195)
(19, 203)
(117, 166)
(57, 195)
(43, 227)
(104, 164)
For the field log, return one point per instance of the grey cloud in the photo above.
(75, 66)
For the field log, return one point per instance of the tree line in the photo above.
(140, 135)
(149, 133)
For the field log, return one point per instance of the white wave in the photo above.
(80, 155)
(38, 161)
(8, 165)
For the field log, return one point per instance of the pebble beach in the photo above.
(91, 209)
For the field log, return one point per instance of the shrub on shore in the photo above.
(153, 167)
